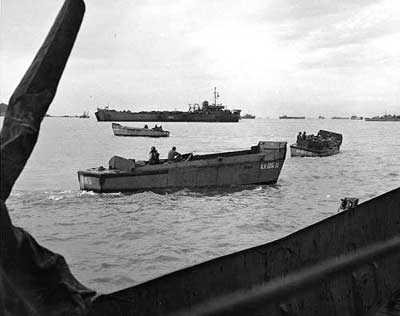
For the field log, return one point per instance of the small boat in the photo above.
(285, 117)
(156, 131)
(248, 116)
(324, 144)
(260, 164)
(84, 115)
(321, 117)
(356, 118)
(339, 118)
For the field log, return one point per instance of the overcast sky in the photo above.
(267, 57)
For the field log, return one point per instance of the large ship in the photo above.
(206, 113)
(384, 118)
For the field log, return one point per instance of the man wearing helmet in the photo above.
(154, 156)
(173, 154)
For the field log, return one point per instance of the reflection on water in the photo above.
(116, 240)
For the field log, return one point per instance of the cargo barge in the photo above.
(206, 113)
(261, 164)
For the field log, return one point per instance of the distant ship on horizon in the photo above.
(384, 118)
(248, 116)
(206, 113)
(285, 117)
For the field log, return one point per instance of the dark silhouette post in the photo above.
(34, 280)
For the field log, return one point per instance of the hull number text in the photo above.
(269, 165)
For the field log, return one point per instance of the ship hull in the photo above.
(296, 151)
(292, 117)
(120, 130)
(215, 170)
(382, 120)
(301, 274)
(165, 116)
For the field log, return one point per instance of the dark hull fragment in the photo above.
(347, 264)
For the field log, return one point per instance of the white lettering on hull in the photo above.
(269, 165)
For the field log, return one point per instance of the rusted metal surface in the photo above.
(358, 291)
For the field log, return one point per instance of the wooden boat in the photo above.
(347, 264)
(324, 144)
(259, 165)
(120, 130)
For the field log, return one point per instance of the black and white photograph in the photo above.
(200, 157)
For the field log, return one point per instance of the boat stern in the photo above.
(267, 145)
(277, 148)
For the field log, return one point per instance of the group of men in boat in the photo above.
(155, 128)
(154, 156)
(315, 141)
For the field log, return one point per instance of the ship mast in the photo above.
(216, 95)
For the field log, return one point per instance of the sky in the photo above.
(266, 57)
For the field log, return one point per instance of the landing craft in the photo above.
(324, 144)
(261, 164)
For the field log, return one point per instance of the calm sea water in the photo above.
(113, 241)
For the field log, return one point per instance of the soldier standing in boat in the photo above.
(299, 139)
(154, 156)
(173, 154)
